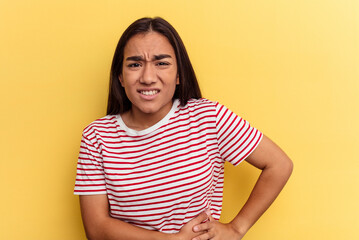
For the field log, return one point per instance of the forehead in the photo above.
(148, 44)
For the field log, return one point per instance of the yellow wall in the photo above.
(289, 67)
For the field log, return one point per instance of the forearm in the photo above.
(269, 184)
(276, 168)
(99, 225)
(109, 228)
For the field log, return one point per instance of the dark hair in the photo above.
(188, 87)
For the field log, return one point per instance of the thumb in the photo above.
(209, 215)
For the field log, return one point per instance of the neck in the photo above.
(138, 120)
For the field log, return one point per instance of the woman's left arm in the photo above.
(276, 169)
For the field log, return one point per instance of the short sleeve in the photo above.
(90, 178)
(236, 138)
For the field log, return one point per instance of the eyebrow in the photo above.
(155, 57)
(161, 56)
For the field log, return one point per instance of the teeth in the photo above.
(149, 93)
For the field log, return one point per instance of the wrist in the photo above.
(164, 236)
(240, 228)
(173, 236)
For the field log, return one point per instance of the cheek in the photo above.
(127, 79)
(170, 77)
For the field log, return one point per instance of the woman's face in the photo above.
(149, 74)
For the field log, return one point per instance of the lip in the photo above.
(148, 97)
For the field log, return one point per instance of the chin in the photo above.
(153, 108)
(149, 110)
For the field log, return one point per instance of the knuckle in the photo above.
(197, 228)
(210, 235)
(204, 236)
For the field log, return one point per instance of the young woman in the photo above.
(153, 167)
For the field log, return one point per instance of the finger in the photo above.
(200, 218)
(204, 236)
(202, 227)
(209, 214)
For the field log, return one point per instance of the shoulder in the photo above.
(102, 125)
(198, 108)
(207, 108)
(205, 104)
(201, 103)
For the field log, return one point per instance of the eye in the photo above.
(162, 64)
(134, 65)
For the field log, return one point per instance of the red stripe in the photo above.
(89, 185)
(89, 190)
(92, 180)
(90, 174)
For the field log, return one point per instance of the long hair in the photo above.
(187, 88)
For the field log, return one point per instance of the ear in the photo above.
(120, 79)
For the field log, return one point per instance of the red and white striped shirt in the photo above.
(162, 177)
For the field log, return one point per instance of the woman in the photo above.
(153, 167)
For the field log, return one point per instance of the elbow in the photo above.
(97, 230)
(287, 167)
(93, 234)
(93, 237)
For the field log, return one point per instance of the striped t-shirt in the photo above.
(162, 177)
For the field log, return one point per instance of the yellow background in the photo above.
(289, 67)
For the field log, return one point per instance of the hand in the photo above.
(186, 232)
(215, 230)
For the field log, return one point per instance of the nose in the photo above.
(148, 74)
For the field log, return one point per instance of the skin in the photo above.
(150, 65)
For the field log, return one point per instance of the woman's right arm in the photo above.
(100, 225)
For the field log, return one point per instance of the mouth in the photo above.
(149, 92)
